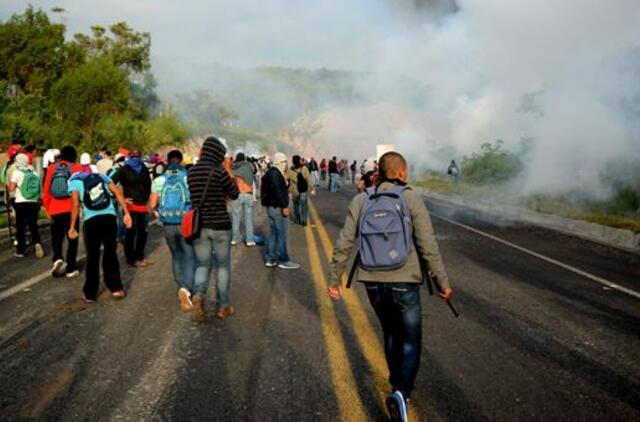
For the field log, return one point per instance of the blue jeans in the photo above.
(213, 249)
(399, 311)
(182, 256)
(244, 202)
(277, 240)
(315, 178)
(301, 208)
(333, 182)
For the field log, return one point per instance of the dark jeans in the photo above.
(60, 225)
(398, 308)
(277, 240)
(135, 238)
(26, 216)
(101, 231)
(301, 208)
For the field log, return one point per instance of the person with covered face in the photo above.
(211, 185)
(25, 183)
(275, 197)
(134, 178)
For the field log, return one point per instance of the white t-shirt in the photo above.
(17, 177)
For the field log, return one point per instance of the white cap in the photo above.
(85, 159)
(369, 165)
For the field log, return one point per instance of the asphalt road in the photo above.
(535, 341)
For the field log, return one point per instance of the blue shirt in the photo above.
(76, 183)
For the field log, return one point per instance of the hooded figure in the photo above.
(22, 162)
(221, 186)
(210, 186)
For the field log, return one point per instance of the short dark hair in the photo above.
(69, 154)
(240, 156)
(175, 156)
(296, 160)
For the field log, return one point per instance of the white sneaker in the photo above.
(234, 243)
(251, 244)
(73, 273)
(289, 265)
(39, 250)
(56, 270)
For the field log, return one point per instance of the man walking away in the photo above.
(313, 169)
(275, 197)
(354, 167)
(136, 186)
(323, 170)
(333, 175)
(171, 200)
(391, 269)
(212, 184)
(453, 171)
(93, 192)
(57, 202)
(243, 174)
(26, 185)
(300, 183)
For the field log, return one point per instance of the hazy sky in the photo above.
(311, 33)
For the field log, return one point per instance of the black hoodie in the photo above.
(214, 209)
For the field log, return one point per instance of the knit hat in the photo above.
(213, 150)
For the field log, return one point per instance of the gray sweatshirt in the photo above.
(425, 245)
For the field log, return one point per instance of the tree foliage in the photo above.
(493, 164)
(93, 88)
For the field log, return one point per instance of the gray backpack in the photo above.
(386, 232)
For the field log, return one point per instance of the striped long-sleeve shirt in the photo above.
(214, 212)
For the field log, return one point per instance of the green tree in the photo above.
(89, 93)
(493, 164)
(128, 49)
(31, 56)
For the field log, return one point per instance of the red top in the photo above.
(55, 206)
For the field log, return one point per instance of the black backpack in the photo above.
(303, 186)
(96, 193)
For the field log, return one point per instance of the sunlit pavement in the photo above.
(535, 341)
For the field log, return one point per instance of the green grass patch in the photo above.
(440, 185)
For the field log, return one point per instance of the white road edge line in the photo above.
(28, 283)
(578, 271)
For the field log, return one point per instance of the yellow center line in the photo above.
(350, 403)
(369, 343)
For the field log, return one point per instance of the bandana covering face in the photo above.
(135, 163)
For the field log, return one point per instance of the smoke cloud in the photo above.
(438, 77)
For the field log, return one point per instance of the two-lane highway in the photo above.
(535, 341)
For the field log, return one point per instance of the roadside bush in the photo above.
(493, 164)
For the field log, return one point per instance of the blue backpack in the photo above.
(174, 198)
(385, 228)
(59, 186)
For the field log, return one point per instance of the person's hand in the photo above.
(129, 201)
(313, 192)
(286, 212)
(446, 294)
(72, 233)
(155, 215)
(127, 221)
(335, 293)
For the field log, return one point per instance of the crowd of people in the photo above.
(387, 226)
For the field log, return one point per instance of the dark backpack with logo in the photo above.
(303, 186)
(59, 186)
(385, 228)
(96, 192)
